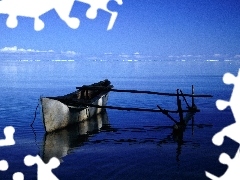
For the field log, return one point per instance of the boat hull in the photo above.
(57, 115)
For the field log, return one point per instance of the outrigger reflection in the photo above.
(90, 100)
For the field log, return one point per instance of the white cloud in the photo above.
(9, 49)
(15, 49)
(217, 55)
(69, 53)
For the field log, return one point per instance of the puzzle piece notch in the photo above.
(229, 78)
(95, 5)
(231, 131)
(9, 140)
(114, 5)
(36, 8)
(221, 104)
(63, 9)
(25, 8)
(18, 176)
(3, 165)
(234, 101)
(44, 170)
(232, 172)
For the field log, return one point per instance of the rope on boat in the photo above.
(35, 115)
(35, 135)
(35, 139)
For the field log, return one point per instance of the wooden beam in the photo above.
(167, 114)
(138, 91)
(135, 109)
(179, 104)
(184, 99)
(193, 103)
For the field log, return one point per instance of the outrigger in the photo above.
(89, 100)
(178, 125)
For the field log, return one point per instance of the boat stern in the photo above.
(55, 114)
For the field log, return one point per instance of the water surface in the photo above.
(122, 144)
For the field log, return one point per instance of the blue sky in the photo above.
(168, 28)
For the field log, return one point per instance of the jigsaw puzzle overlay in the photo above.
(232, 131)
(8, 132)
(35, 8)
(44, 170)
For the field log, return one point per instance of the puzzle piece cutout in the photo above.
(36, 8)
(4, 167)
(234, 102)
(44, 170)
(232, 172)
(101, 4)
(18, 176)
(231, 131)
(9, 140)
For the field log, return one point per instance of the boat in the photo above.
(62, 111)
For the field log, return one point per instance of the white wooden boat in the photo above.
(61, 111)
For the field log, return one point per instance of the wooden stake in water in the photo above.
(180, 111)
(192, 96)
(193, 105)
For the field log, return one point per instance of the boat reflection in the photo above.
(60, 143)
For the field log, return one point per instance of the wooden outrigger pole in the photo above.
(139, 91)
(134, 108)
(178, 124)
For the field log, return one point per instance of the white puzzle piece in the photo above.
(35, 8)
(18, 176)
(232, 131)
(101, 4)
(8, 132)
(44, 170)
(3, 165)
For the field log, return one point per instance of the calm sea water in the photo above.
(119, 144)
